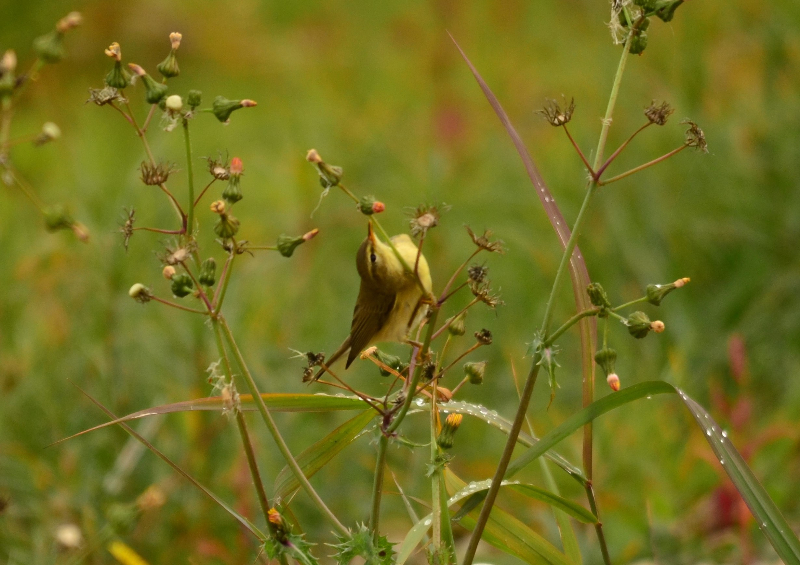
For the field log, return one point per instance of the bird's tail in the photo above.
(333, 358)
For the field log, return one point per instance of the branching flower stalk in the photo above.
(530, 381)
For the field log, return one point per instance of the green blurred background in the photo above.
(379, 89)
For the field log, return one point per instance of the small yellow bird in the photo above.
(389, 303)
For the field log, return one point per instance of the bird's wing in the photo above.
(369, 317)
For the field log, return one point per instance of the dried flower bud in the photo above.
(638, 325)
(222, 108)
(50, 131)
(218, 207)
(484, 337)
(174, 103)
(658, 114)
(474, 371)
(606, 358)
(208, 271)
(182, 285)
(597, 295)
(194, 98)
(458, 326)
(140, 293)
(449, 429)
(227, 226)
(553, 113)
(168, 272)
(613, 382)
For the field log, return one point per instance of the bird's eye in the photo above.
(372, 257)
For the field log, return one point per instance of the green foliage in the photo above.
(377, 551)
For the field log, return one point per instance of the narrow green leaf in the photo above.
(503, 530)
(448, 542)
(276, 402)
(316, 456)
(585, 416)
(770, 519)
(509, 534)
(494, 419)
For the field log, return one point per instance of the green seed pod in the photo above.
(222, 108)
(182, 285)
(458, 326)
(169, 66)
(227, 226)
(606, 358)
(208, 272)
(597, 295)
(638, 43)
(475, 371)
(287, 244)
(50, 47)
(666, 13)
(57, 217)
(390, 361)
(119, 77)
(657, 292)
(638, 325)
(232, 193)
(194, 98)
(155, 92)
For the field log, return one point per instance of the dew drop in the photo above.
(724, 433)
(721, 461)
(708, 433)
(428, 522)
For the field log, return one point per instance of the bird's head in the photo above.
(378, 266)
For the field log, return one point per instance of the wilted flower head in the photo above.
(695, 136)
(155, 175)
(218, 168)
(127, 228)
(658, 114)
(553, 113)
(425, 218)
(140, 293)
(175, 39)
(484, 337)
(482, 241)
(477, 273)
(68, 22)
(107, 95)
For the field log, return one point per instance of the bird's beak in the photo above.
(370, 233)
